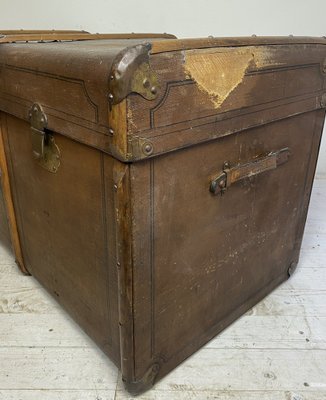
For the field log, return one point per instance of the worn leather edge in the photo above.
(306, 195)
(121, 198)
(140, 148)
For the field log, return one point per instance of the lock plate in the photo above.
(45, 151)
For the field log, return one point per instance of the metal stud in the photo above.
(147, 148)
(146, 83)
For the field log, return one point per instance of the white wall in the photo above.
(184, 18)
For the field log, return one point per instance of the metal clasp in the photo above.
(219, 184)
(45, 151)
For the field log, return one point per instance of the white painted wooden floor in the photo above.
(277, 351)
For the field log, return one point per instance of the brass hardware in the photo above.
(131, 73)
(230, 175)
(147, 148)
(45, 151)
(139, 148)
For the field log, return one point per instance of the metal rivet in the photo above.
(111, 77)
(221, 184)
(153, 90)
(111, 131)
(110, 96)
(115, 187)
(148, 148)
(226, 165)
(146, 83)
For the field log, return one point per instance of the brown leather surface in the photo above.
(207, 256)
(69, 79)
(76, 73)
(64, 222)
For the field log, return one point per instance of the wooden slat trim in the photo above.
(9, 204)
(202, 43)
(58, 36)
(38, 31)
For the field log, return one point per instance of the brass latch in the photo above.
(45, 151)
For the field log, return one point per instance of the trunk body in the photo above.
(160, 187)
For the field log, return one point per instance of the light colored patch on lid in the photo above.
(218, 72)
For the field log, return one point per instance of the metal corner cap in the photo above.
(131, 73)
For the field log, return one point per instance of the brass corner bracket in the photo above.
(132, 73)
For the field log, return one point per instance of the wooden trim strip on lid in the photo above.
(57, 36)
(202, 43)
(37, 31)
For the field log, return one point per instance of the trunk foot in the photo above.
(292, 268)
(145, 383)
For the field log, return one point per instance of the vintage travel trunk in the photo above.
(157, 187)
